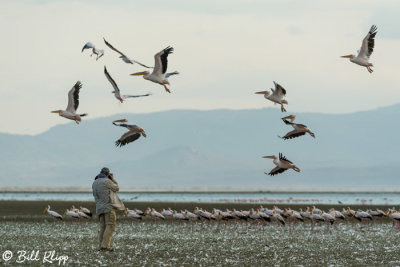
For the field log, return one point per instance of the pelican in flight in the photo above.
(277, 95)
(282, 164)
(159, 74)
(99, 53)
(132, 135)
(73, 103)
(117, 92)
(299, 129)
(123, 56)
(367, 47)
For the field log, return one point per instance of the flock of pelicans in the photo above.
(160, 76)
(263, 215)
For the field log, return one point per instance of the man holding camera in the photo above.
(105, 190)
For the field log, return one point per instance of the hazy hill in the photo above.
(211, 148)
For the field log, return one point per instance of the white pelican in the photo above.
(360, 215)
(116, 91)
(52, 213)
(159, 74)
(277, 95)
(328, 217)
(132, 135)
(86, 211)
(123, 56)
(153, 213)
(202, 214)
(367, 47)
(167, 213)
(299, 129)
(73, 103)
(282, 164)
(98, 52)
(132, 214)
(83, 215)
(71, 214)
(277, 217)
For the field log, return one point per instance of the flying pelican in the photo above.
(282, 164)
(277, 95)
(159, 74)
(73, 103)
(299, 129)
(116, 91)
(99, 53)
(367, 47)
(132, 135)
(123, 56)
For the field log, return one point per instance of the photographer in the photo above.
(105, 190)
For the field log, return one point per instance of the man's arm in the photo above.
(113, 185)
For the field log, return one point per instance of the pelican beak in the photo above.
(113, 92)
(138, 73)
(123, 120)
(348, 56)
(54, 111)
(287, 117)
(268, 157)
(261, 93)
(120, 56)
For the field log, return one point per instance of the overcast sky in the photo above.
(224, 50)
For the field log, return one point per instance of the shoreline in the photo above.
(61, 191)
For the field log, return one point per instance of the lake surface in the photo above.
(224, 197)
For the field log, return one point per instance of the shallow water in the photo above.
(262, 198)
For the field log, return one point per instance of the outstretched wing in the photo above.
(170, 74)
(279, 91)
(111, 80)
(161, 60)
(282, 157)
(113, 48)
(141, 64)
(73, 97)
(87, 46)
(134, 96)
(127, 138)
(276, 170)
(293, 134)
(368, 43)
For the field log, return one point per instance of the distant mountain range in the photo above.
(217, 148)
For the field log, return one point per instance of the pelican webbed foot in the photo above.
(166, 88)
(283, 108)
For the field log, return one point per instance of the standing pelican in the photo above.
(277, 95)
(52, 213)
(73, 103)
(299, 129)
(282, 164)
(159, 74)
(99, 53)
(367, 47)
(123, 56)
(132, 135)
(117, 92)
